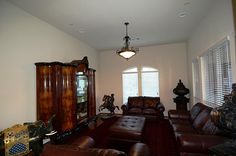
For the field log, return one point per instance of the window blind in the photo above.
(216, 73)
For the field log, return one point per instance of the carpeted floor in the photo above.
(157, 135)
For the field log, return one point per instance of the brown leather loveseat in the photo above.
(84, 147)
(194, 130)
(144, 106)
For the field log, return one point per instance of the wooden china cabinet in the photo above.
(67, 90)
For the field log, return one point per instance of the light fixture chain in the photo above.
(126, 24)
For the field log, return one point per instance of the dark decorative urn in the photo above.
(181, 101)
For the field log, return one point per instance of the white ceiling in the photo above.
(100, 23)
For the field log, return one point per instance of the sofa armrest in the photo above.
(102, 152)
(73, 149)
(195, 143)
(84, 142)
(175, 114)
(139, 149)
(60, 150)
(124, 108)
(160, 107)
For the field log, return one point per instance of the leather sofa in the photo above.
(194, 131)
(84, 147)
(144, 106)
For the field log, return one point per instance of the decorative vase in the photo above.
(181, 101)
(180, 89)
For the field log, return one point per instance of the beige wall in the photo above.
(24, 40)
(169, 59)
(215, 26)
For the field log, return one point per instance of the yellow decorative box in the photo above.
(16, 140)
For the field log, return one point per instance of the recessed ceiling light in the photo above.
(182, 14)
(187, 3)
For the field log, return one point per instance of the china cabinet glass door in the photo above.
(82, 96)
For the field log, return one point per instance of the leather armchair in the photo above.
(84, 147)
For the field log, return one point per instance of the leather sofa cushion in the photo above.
(179, 121)
(210, 128)
(195, 110)
(187, 115)
(149, 111)
(135, 102)
(179, 128)
(201, 119)
(135, 111)
(151, 102)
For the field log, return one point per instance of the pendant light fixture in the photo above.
(126, 51)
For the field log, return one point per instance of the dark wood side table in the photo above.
(226, 149)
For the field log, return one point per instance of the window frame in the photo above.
(139, 76)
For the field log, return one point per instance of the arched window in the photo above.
(140, 81)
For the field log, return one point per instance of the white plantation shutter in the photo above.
(216, 73)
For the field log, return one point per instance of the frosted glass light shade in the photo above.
(126, 54)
